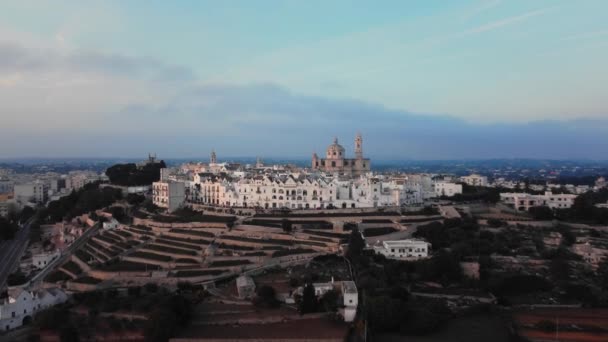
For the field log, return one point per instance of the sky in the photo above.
(419, 79)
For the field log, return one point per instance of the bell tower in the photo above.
(359, 146)
(213, 159)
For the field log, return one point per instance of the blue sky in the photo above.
(120, 78)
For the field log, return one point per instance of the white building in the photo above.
(475, 180)
(7, 205)
(21, 305)
(40, 260)
(525, 201)
(34, 192)
(77, 179)
(245, 287)
(295, 190)
(111, 224)
(6, 186)
(403, 249)
(351, 300)
(168, 194)
(446, 188)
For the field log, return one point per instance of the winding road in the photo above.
(11, 251)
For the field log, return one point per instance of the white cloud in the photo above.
(506, 21)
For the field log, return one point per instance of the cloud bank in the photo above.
(58, 103)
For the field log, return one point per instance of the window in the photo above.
(333, 164)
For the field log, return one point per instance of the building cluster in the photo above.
(18, 190)
(332, 182)
(20, 306)
(525, 201)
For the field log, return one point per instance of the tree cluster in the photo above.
(407, 317)
(8, 228)
(584, 210)
(133, 175)
(87, 199)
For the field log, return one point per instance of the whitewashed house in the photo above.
(41, 260)
(21, 305)
(403, 249)
(351, 300)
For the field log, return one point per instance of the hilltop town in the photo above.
(334, 251)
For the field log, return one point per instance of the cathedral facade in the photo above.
(335, 160)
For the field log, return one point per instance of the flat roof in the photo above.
(349, 286)
(396, 243)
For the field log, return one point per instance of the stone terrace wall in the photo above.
(184, 225)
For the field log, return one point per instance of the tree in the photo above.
(602, 272)
(8, 229)
(541, 213)
(135, 199)
(132, 175)
(286, 225)
(356, 244)
(309, 300)
(151, 288)
(329, 301)
(160, 326)
(26, 214)
(495, 223)
(266, 297)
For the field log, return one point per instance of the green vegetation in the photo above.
(308, 303)
(285, 252)
(151, 256)
(227, 263)
(72, 267)
(8, 228)
(126, 266)
(367, 232)
(266, 297)
(584, 209)
(286, 225)
(478, 193)
(87, 199)
(426, 211)
(17, 278)
(192, 232)
(161, 248)
(132, 175)
(88, 280)
(185, 215)
(198, 273)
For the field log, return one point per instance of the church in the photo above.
(335, 160)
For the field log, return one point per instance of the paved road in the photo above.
(65, 255)
(11, 251)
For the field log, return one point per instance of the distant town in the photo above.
(336, 248)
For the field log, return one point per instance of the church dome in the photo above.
(335, 150)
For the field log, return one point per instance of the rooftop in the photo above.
(349, 287)
(404, 243)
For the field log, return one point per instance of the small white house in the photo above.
(403, 249)
(21, 305)
(351, 300)
(444, 188)
(245, 287)
(111, 224)
(41, 260)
